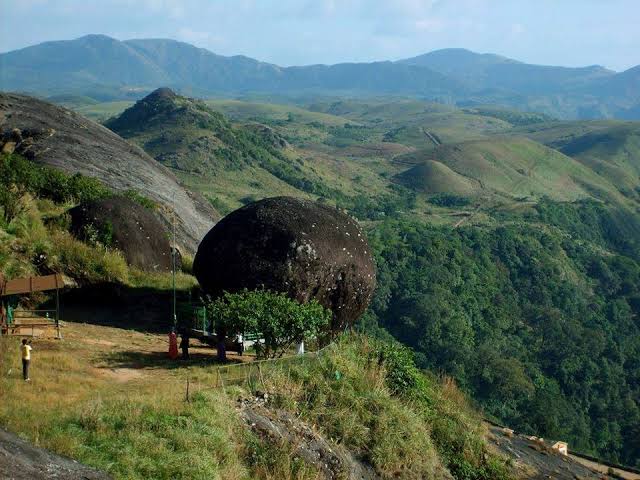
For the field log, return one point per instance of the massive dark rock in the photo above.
(300, 247)
(128, 226)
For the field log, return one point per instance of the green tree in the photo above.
(279, 320)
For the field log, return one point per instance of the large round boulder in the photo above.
(303, 248)
(123, 223)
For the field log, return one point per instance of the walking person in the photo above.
(26, 359)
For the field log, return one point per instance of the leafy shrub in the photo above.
(449, 200)
(19, 176)
(140, 199)
(281, 321)
(219, 204)
(402, 375)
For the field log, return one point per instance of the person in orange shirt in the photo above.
(173, 345)
(26, 358)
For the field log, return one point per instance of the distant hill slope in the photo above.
(613, 152)
(188, 135)
(610, 148)
(66, 140)
(436, 177)
(509, 167)
(488, 71)
(104, 68)
(235, 161)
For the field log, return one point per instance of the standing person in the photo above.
(26, 359)
(184, 346)
(173, 345)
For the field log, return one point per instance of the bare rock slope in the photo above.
(66, 140)
(20, 460)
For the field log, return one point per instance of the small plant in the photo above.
(140, 199)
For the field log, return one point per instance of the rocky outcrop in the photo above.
(20, 460)
(63, 139)
(303, 248)
(128, 226)
(333, 462)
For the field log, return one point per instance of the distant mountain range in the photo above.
(105, 68)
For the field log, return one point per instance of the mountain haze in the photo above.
(102, 67)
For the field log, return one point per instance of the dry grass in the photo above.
(81, 404)
(112, 399)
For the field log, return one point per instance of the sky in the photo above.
(301, 32)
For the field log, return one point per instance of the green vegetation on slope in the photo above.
(405, 423)
(187, 135)
(531, 305)
(538, 321)
(511, 167)
(614, 153)
(34, 227)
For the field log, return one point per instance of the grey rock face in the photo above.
(303, 248)
(63, 139)
(20, 460)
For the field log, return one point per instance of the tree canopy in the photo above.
(280, 321)
(536, 317)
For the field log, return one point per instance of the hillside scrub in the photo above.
(538, 323)
(369, 396)
(34, 228)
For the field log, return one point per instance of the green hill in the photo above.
(231, 163)
(610, 148)
(613, 152)
(514, 168)
(434, 177)
(187, 135)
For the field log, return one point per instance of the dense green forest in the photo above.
(536, 317)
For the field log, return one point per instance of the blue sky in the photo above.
(290, 32)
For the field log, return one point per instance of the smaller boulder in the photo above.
(122, 223)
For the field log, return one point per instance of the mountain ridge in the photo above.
(100, 65)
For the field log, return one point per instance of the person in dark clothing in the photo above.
(184, 346)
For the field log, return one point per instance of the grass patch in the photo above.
(371, 398)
